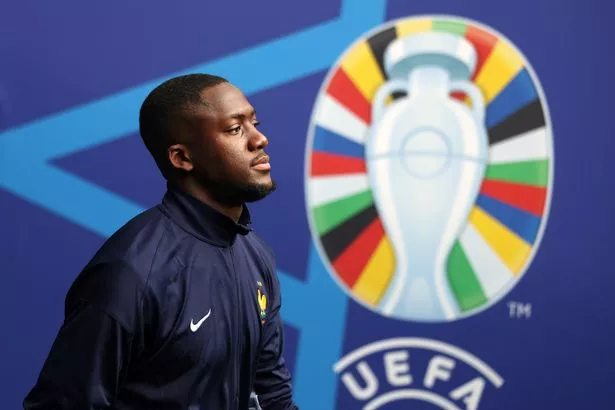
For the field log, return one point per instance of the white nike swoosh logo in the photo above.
(195, 326)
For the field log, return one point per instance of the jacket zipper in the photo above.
(236, 329)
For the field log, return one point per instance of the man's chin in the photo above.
(235, 194)
(256, 192)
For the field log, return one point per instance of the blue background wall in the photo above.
(72, 170)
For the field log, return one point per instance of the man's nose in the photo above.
(258, 140)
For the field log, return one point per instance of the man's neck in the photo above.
(189, 186)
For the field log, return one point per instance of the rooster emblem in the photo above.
(262, 302)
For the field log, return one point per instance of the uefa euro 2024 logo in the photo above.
(429, 169)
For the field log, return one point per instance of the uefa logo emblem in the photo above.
(429, 168)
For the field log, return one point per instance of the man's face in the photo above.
(228, 150)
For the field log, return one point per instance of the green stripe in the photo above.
(450, 26)
(464, 283)
(329, 215)
(527, 172)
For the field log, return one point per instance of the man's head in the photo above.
(201, 128)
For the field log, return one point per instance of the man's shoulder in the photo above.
(120, 271)
(135, 247)
(143, 229)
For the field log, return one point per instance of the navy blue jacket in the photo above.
(179, 309)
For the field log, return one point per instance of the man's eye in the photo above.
(235, 130)
(256, 123)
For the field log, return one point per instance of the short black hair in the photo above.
(164, 105)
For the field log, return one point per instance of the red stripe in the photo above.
(332, 164)
(347, 94)
(483, 43)
(526, 197)
(352, 261)
(458, 95)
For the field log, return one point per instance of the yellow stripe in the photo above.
(412, 26)
(407, 28)
(513, 250)
(501, 67)
(362, 68)
(376, 276)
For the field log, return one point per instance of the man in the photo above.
(180, 308)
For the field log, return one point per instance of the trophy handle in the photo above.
(478, 103)
(382, 94)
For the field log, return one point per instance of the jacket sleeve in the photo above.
(273, 380)
(89, 356)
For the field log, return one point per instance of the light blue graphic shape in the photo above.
(319, 311)
(25, 152)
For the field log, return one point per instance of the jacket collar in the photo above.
(201, 220)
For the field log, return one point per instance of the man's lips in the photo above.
(261, 163)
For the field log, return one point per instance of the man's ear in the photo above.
(180, 157)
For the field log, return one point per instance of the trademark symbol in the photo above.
(519, 310)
